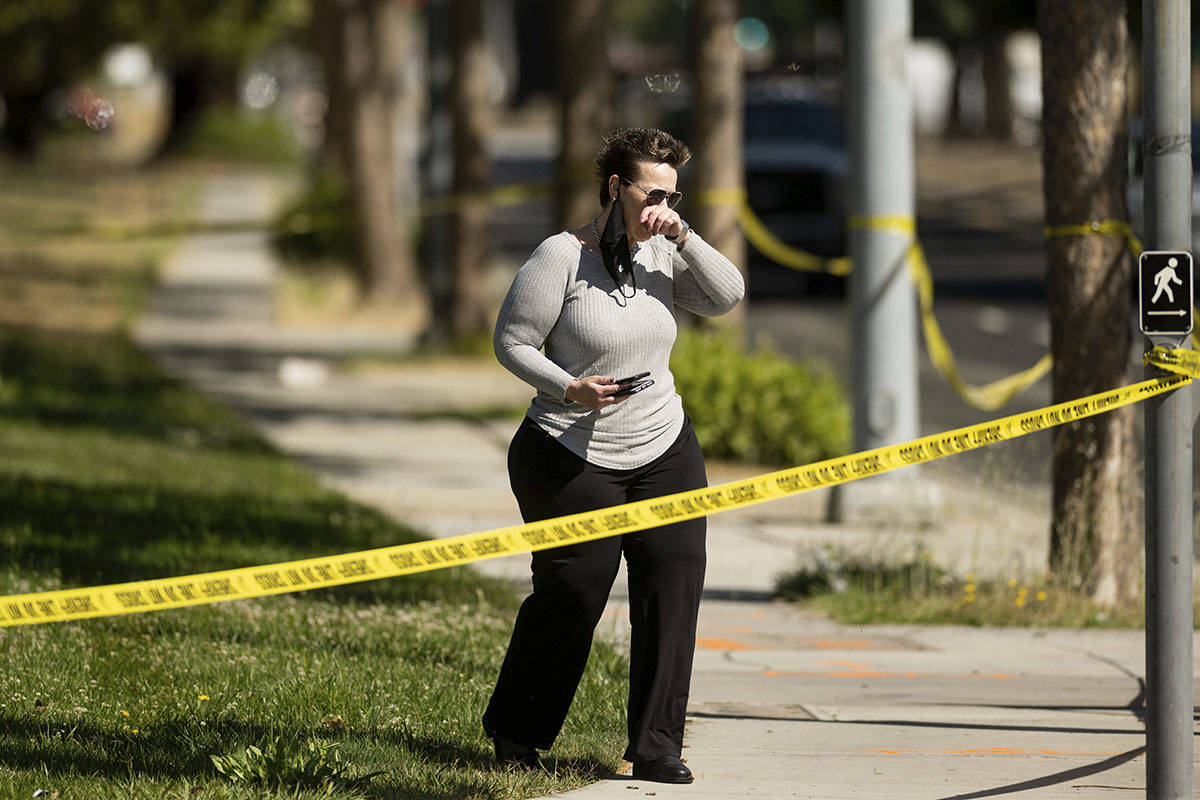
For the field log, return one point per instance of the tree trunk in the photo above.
(21, 134)
(469, 88)
(585, 93)
(327, 33)
(954, 127)
(186, 100)
(997, 96)
(717, 130)
(195, 84)
(373, 36)
(1095, 534)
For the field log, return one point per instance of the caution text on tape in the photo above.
(246, 582)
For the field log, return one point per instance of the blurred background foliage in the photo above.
(761, 407)
(402, 123)
(274, 82)
(304, 84)
(200, 46)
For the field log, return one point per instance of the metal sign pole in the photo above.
(881, 296)
(1166, 93)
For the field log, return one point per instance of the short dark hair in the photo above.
(624, 148)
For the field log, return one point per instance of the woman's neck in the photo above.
(602, 220)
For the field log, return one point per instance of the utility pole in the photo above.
(1166, 112)
(882, 223)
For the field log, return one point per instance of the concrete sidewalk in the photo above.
(783, 704)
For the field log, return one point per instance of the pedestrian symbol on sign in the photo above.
(1163, 280)
(1165, 295)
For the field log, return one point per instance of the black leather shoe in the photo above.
(511, 754)
(667, 769)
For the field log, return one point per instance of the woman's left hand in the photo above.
(662, 220)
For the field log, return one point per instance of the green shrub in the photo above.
(315, 228)
(880, 588)
(223, 132)
(759, 406)
(834, 571)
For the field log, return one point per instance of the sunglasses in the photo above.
(656, 196)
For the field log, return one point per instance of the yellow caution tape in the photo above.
(766, 242)
(1176, 360)
(1121, 230)
(989, 396)
(513, 194)
(895, 225)
(292, 576)
(1104, 227)
(300, 222)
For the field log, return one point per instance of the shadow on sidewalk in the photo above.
(903, 723)
(1058, 777)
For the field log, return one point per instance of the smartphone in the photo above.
(632, 388)
(633, 378)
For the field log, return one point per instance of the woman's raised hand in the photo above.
(595, 391)
(661, 219)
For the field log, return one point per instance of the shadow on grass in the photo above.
(106, 381)
(433, 748)
(72, 521)
(93, 535)
(84, 749)
(178, 749)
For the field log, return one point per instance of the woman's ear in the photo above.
(614, 185)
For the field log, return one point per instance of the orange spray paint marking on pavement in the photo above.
(853, 669)
(865, 673)
(993, 751)
(856, 673)
(725, 643)
(718, 643)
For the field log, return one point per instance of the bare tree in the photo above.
(717, 170)
(470, 314)
(585, 95)
(326, 27)
(365, 50)
(997, 105)
(1094, 538)
(976, 33)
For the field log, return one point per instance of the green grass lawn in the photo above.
(112, 471)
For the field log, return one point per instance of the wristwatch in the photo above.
(683, 233)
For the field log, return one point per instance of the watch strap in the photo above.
(683, 233)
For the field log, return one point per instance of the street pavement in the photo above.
(783, 703)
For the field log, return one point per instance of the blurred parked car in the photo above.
(796, 165)
(796, 171)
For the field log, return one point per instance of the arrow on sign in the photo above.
(1179, 312)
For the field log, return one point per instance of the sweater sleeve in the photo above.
(528, 314)
(706, 282)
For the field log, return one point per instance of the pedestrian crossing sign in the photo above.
(1165, 292)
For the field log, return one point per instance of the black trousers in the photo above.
(553, 632)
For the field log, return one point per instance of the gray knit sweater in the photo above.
(564, 300)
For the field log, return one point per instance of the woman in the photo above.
(600, 300)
